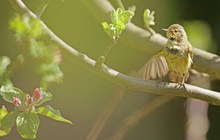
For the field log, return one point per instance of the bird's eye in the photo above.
(175, 31)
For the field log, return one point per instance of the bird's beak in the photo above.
(166, 30)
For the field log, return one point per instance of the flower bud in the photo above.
(37, 95)
(28, 99)
(16, 101)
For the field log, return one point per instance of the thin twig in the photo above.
(105, 115)
(103, 57)
(41, 8)
(154, 87)
(132, 120)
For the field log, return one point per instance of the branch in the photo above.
(103, 118)
(154, 87)
(136, 117)
(141, 39)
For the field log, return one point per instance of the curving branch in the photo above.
(141, 39)
(154, 87)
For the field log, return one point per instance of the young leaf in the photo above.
(4, 132)
(148, 18)
(119, 19)
(27, 124)
(52, 113)
(45, 96)
(26, 26)
(37, 49)
(51, 73)
(8, 93)
(9, 120)
(3, 113)
(4, 72)
(17, 25)
(4, 62)
(126, 16)
(36, 29)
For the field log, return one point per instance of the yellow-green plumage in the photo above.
(175, 59)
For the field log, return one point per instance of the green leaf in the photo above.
(4, 132)
(126, 16)
(17, 25)
(9, 120)
(37, 49)
(105, 26)
(26, 26)
(51, 72)
(36, 28)
(109, 29)
(119, 19)
(8, 93)
(4, 62)
(45, 96)
(3, 113)
(121, 16)
(149, 18)
(52, 113)
(28, 124)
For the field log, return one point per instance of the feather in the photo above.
(156, 67)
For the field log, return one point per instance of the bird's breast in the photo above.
(177, 59)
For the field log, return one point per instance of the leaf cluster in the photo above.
(45, 55)
(25, 113)
(119, 19)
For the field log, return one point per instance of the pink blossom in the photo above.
(16, 101)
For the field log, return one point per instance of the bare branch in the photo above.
(154, 87)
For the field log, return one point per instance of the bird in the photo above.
(174, 61)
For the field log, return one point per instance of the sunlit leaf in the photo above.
(51, 72)
(26, 26)
(3, 113)
(119, 19)
(17, 25)
(36, 28)
(37, 49)
(8, 93)
(52, 113)
(4, 62)
(149, 18)
(28, 124)
(4, 132)
(9, 120)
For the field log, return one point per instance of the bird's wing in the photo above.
(191, 50)
(156, 67)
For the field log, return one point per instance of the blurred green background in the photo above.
(82, 96)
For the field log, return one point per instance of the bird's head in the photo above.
(176, 33)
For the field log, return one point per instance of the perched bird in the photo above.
(174, 60)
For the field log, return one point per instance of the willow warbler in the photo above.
(174, 60)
